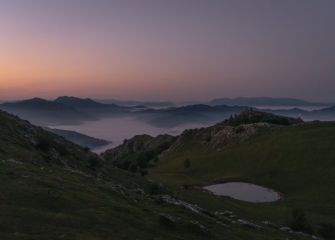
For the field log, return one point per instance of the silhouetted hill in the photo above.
(64, 110)
(329, 109)
(80, 139)
(324, 114)
(92, 107)
(192, 114)
(202, 108)
(79, 102)
(44, 112)
(37, 103)
(154, 104)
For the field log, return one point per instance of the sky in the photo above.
(167, 49)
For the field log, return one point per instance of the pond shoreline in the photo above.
(269, 195)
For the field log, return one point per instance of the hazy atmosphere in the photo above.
(167, 50)
(167, 119)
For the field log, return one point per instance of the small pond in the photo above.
(245, 192)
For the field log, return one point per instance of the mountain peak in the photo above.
(71, 98)
(77, 102)
(38, 103)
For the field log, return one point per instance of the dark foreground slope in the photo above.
(292, 157)
(53, 189)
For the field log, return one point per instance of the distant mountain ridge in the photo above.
(192, 114)
(45, 112)
(78, 102)
(62, 110)
(266, 101)
(80, 139)
(37, 103)
(67, 110)
(129, 103)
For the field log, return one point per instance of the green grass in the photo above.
(49, 191)
(298, 161)
(50, 203)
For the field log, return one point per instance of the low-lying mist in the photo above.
(118, 129)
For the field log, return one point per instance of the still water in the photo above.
(244, 192)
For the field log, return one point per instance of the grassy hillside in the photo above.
(53, 189)
(297, 160)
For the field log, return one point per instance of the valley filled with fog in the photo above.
(118, 129)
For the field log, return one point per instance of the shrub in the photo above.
(43, 144)
(144, 172)
(94, 163)
(163, 147)
(299, 222)
(155, 189)
(327, 231)
(239, 129)
(86, 149)
(143, 159)
(62, 149)
(208, 138)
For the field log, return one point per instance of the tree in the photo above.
(133, 167)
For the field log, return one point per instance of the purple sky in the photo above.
(167, 50)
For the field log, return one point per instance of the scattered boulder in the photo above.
(249, 224)
(171, 200)
(196, 226)
(286, 229)
(270, 224)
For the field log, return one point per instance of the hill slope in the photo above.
(292, 157)
(295, 160)
(53, 189)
